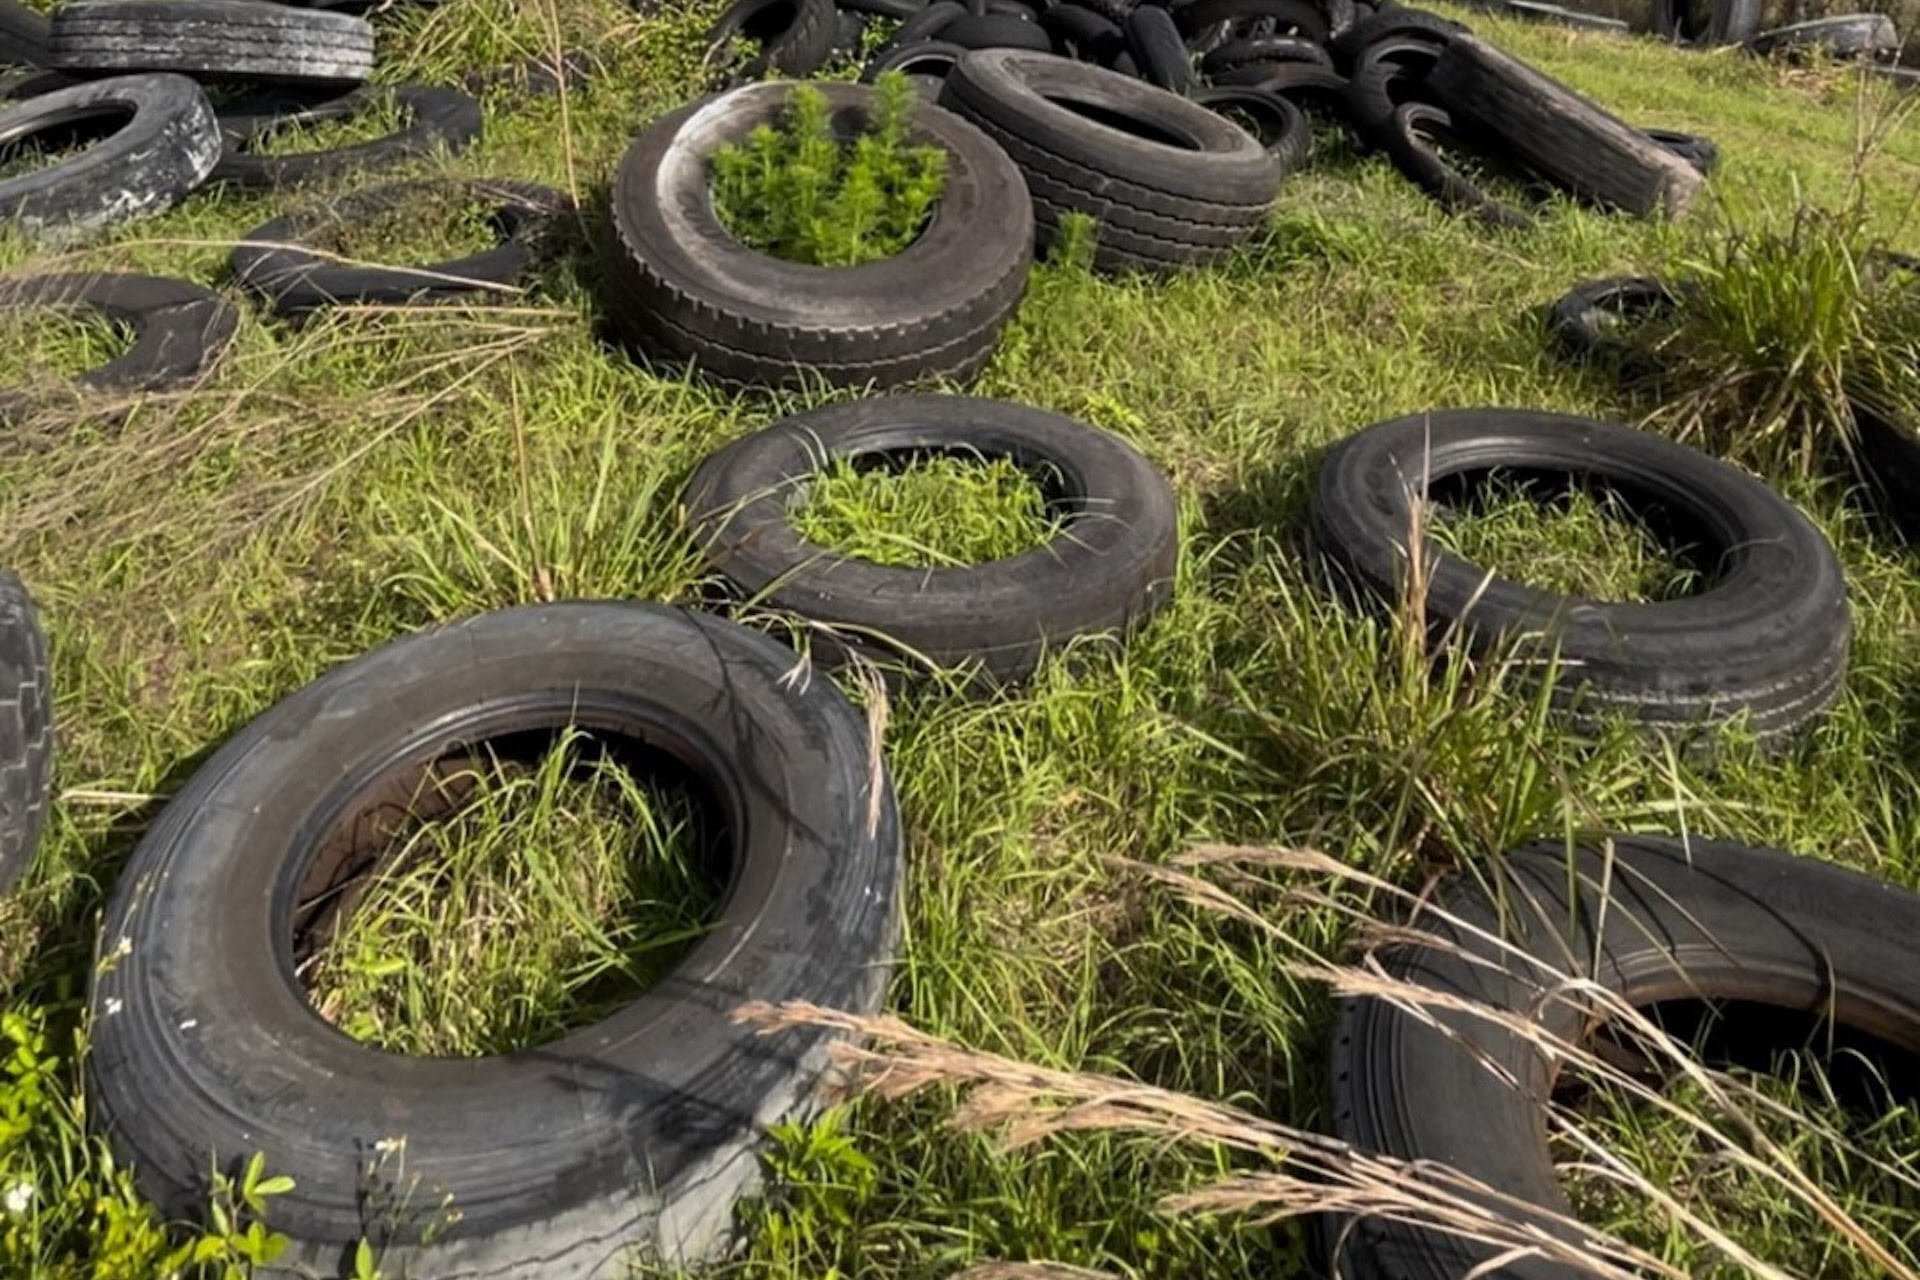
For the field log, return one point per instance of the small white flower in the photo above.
(18, 1197)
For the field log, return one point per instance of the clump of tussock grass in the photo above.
(942, 510)
(802, 193)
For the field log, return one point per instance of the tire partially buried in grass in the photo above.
(1110, 565)
(1794, 951)
(685, 289)
(639, 1130)
(1768, 637)
(26, 730)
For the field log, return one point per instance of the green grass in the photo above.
(38, 346)
(943, 510)
(434, 225)
(344, 483)
(802, 193)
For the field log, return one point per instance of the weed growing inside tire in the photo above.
(552, 897)
(943, 511)
(1581, 545)
(427, 226)
(802, 194)
(42, 345)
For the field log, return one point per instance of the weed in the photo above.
(801, 193)
(943, 510)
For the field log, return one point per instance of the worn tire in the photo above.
(687, 290)
(996, 31)
(436, 120)
(1702, 153)
(1392, 24)
(1725, 22)
(1769, 637)
(24, 35)
(1855, 35)
(1387, 75)
(1112, 567)
(1156, 46)
(1648, 919)
(1280, 126)
(1885, 457)
(1181, 187)
(1574, 322)
(212, 40)
(1078, 31)
(1259, 49)
(26, 730)
(270, 262)
(1408, 138)
(1317, 90)
(795, 36)
(179, 329)
(639, 1130)
(163, 152)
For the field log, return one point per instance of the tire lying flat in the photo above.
(1683, 919)
(1769, 637)
(641, 1130)
(433, 120)
(685, 289)
(1171, 184)
(1111, 567)
(26, 730)
(212, 40)
(1576, 323)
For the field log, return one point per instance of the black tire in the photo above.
(639, 1130)
(1319, 91)
(436, 120)
(1281, 126)
(269, 263)
(1387, 75)
(1575, 322)
(1273, 17)
(894, 9)
(1856, 35)
(212, 40)
(1702, 153)
(1392, 24)
(688, 290)
(849, 32)
(1156, 46)
(1885, 456)
(24, 35)
(1078, 31)
(1769, 636)
(1409, 140)
(26, 730)
(928, 23)
(1112, 567)
(1725, 21)
(927, 63)
(1178, 187)
(179, 329)
(1246, 53)
(795, 36)
(996, 31)
(1648, 919)
(163, 152)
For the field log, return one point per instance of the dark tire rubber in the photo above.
(1281, 126)
(1648, 919)
(1392, 24)
(25, 35)
(1257, 18)
(1769, 636)
(435, 120)
(1387, 75)
(179, 329)
(1575, 322)
(1110, 568)
(927, 63)
(1161, 205)
(795, 36)
(687, 290)
(996, 31)
(641, 1130)
(26, 731)
(1408, 140)
(1078, 31)
(212, 40)
(1261, 49)
(1856, 35)
(1725, 21)
(165, 150)
(269, 262)
(1156, 46)
(1885, 456)
(1317, 90)
(1702, 153)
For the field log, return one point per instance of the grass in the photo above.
(344, 483)
(425, 226)
(40, 346)
(943, 510)
(803, 193)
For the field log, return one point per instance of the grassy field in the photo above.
(335, 486)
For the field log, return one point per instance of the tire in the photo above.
(436, 120)
(1726, 21)
(927, 63)
(691, 292)
(996, 31)
(641, 1129)
(1408, 139)
(1387, 75)
(1276, 17)
(1885, 456)
(26, 731)
(1702, 153)
(212, 40)
(162, 153)
(796, 36)
(1769, 637)
(928, 23)
(1392, 24)
(1187, 200)
(541, 76)
(179, 329)
(899, 10)
(1653, 919)
(849, 33)
(1857, 35)
(1246, 53)
(269, 262)
(1574, 323)
(1079, 31)
(1280, 126)
(1316, 90)
(24, 35)
(1156, 46)
(1112, 567)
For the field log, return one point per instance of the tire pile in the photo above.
(642, 1129)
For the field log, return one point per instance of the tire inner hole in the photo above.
(56, 344)
(1821, 1087)
(55, 139)
(929, 506)
(496, 896)
(1121, 121)
(295, 123)
(431, 224)
(1573, 535)
(770, 21)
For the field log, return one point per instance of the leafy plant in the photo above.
(801, 193)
